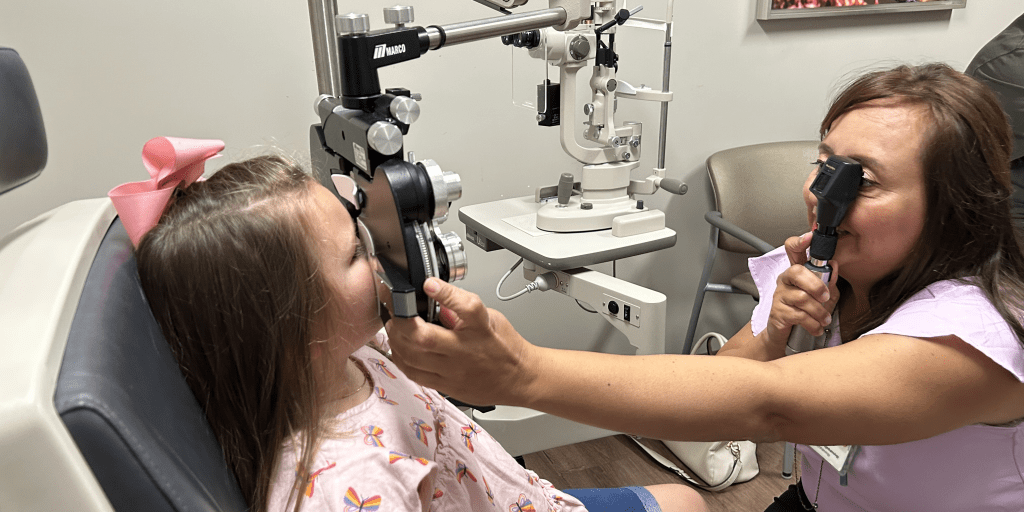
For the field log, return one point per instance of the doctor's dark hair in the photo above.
(232, 278)
(969, 232)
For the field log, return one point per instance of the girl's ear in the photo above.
(315, 350)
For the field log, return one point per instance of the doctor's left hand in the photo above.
(478, 357)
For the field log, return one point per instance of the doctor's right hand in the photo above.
(801, 298)
(478, 357)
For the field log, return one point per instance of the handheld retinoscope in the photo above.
(836, 187)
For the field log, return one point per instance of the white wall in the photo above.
(112, 74)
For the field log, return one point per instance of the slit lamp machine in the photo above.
(357, 150)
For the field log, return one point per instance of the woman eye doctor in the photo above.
(927, 286)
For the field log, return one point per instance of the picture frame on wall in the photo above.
(786, 9)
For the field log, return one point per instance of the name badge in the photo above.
(839, 457)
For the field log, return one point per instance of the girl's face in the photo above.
(347, 271)
(883, 224)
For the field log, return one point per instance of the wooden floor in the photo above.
(617, 462)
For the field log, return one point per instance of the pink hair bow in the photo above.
(171, 162)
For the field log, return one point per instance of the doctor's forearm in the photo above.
(664, 397)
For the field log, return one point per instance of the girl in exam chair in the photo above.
(264, 292)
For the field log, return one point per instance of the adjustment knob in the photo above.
(447, 187)
(352, 23)
(452, 255)
(405, 109)
(579, 48)
(385, 138)
(398, 15)
(325, 104)
(565, 184)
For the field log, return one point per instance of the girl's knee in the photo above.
(678, 498)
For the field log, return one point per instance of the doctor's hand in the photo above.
(478, 357)
(801, 298)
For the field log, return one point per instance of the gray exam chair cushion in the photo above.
(127, 406)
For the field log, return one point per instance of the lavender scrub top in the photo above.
(976, 468)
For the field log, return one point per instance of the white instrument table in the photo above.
(512, 224)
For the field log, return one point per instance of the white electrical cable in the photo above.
(497, 291)
(543, 282)
(584, 308)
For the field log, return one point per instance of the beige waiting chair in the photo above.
(757, 205)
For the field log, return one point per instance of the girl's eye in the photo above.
(360, 251)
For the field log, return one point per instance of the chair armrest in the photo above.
(716, 220)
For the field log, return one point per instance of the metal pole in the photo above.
(469, 31)
(662, 135)
(325, 51)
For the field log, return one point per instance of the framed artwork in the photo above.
(784, 9)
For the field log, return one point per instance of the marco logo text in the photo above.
(382, 50)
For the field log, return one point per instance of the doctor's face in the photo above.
(882, 226)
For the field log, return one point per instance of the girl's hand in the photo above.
(478, 357)
(801, 298)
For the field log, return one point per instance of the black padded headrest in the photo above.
(22, 138)
(126, 404)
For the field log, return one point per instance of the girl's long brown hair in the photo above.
(969, 231)
(231, 277)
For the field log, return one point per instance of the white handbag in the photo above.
(718, 463)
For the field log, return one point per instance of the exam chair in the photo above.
(94, 412)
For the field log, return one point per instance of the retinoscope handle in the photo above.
(836, 187)
(800, 340)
